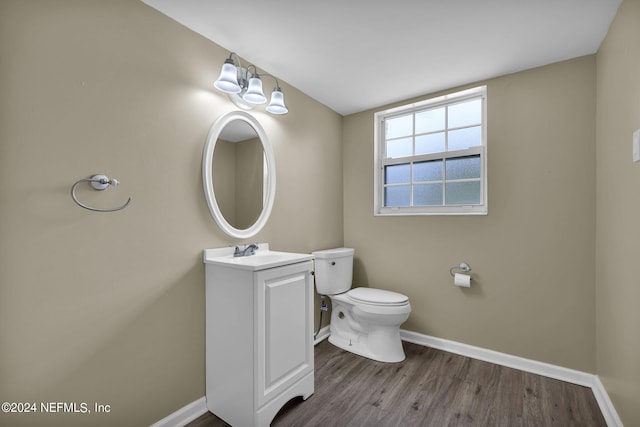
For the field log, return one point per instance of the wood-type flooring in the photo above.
(430, 388)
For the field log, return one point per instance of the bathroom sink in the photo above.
(263, 258)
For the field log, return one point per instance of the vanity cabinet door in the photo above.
(283, 328)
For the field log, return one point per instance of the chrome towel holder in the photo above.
(98, 182)
(463, 266)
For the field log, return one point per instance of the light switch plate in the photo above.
(636, 146)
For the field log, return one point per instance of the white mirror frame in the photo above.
(207, 175)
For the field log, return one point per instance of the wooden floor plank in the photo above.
(430, 388)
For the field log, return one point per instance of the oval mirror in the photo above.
(238, 174)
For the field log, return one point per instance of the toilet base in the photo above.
(393, 352)
(366, 330)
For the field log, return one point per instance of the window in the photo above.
(430, 156)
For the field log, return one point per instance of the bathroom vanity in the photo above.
(259, 333)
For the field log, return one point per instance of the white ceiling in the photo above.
(353, 55)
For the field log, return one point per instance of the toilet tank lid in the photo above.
(333, 253)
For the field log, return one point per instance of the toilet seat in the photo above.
(377, 297)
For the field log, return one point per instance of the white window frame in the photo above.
(380, 161)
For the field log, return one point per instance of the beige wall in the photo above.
(109, 308)
(618, 204)
(532, 256)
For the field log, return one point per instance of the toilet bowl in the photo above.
(364, 321)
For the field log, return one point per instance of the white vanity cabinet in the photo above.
(259, 333)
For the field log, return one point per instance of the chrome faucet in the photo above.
(247, 251)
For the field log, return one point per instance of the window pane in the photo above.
(427, 171)
(433, 143)
(430, 120)
(465, 113)
(464, 138)
(396, 174)
(399, 126)
(431, 156)
(427, 195)
(399, 148)
(396, 196)
(463, 167)
(463, 193)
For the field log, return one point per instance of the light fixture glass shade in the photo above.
(228, 80)
(254, 92)
(276, 105)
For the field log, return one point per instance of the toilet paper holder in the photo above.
(463, 267)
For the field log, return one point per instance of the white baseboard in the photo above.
(606, 406)
(540, 368)
(184, 415)
(195, 409)
(503, 359)
(323, 334)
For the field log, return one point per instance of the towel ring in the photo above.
(98, 182)
(463, 266)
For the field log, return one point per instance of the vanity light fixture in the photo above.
(245, 89)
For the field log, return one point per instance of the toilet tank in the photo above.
(334, 270)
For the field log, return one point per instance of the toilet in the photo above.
(364, 321)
